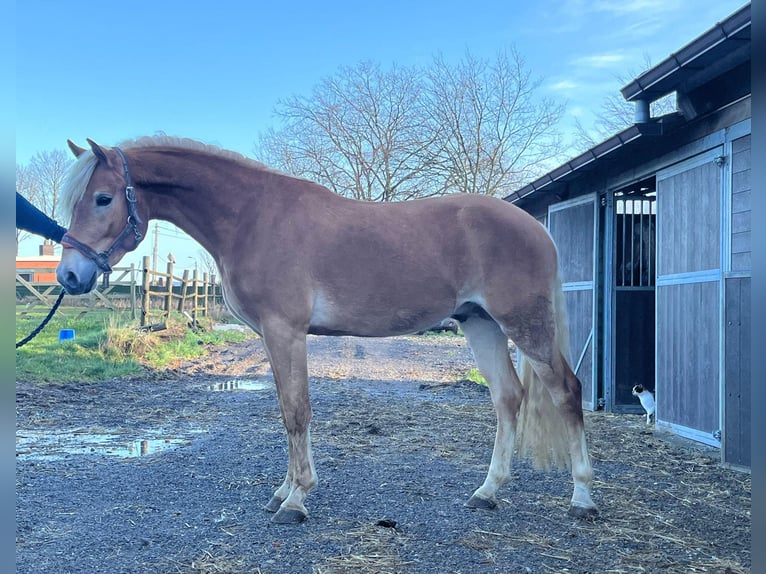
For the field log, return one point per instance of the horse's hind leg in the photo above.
(490, 349)
(566, 394)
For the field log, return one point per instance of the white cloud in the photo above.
(564, 85)
(632, 6)
(599, 60)
(578, 111)
(580, 9)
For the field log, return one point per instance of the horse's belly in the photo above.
(376, 318)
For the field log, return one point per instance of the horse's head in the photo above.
(104, 219)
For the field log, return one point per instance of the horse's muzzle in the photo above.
(77, 279)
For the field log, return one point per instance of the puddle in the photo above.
(242, 385)
(43, 445)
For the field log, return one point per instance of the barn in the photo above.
(653, 230)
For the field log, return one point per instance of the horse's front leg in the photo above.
(286, 348)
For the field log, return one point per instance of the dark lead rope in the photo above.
(42, 325)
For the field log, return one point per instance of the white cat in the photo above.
(647, 401)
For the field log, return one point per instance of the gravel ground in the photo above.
(168, 473)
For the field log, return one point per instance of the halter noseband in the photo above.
(101, 259)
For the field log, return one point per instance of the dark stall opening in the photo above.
(634, 281)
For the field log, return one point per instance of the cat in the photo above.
(647, 401)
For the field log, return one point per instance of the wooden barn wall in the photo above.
(580, 311)
(688, 296)
(740, 204)
(690, 236)
(736, 435)
(737, 350)
(573, 235)
(688, 382)
(572, 227)
(712, 337)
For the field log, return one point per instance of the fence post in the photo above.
(195, 301)
(145, 294)
(184, 284)
(212, 291)
(169, 296)
(205, 293)
(133, 290)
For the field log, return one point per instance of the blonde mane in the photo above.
(75, 183)
(80, 173)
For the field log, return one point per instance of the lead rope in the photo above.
(42, 325)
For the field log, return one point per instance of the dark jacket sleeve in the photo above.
(29, 218)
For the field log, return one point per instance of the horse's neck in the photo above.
(201, 195)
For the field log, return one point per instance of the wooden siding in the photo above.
(572, 226)
(580, 311)
(688, 382)
(572, 230)
(736, 432)
(692, 228)
(688, 298)
(740, 205)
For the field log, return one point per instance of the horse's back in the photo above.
(448, 249)
(452, 219)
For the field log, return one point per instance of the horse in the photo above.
(296, 259)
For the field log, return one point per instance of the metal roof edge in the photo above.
(719, 33)
(590, 155)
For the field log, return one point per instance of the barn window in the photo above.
(636, 219)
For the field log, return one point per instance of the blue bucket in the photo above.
(66, 335)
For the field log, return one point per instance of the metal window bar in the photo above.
(632, 265)
(641, 244)
(635, 242)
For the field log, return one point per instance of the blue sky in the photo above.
(214, 70)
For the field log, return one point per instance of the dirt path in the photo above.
(400, 441)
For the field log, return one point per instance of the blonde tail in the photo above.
(541, 433)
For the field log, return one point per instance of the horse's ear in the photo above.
(76, 150)
(98, 151)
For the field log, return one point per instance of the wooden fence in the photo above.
(191, 294)
(148, 295)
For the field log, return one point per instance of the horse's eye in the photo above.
(103, 200)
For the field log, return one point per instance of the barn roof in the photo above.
(708, 73)
(701, 60)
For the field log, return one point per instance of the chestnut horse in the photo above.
(297, 259)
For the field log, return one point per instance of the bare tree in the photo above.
(370, 134)
(495, 134)
(48, 169)
(615, 113)
(207, 263)
(26, 185)
(362, 133)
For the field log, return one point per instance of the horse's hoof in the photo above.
(583, 513)
(288, 516)
(273, 505)
(482, 503)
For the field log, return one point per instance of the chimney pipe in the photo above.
(642, 111)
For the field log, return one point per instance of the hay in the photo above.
(368, 549)
(217, 560)
(666, 506)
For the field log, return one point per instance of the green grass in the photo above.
(106, 345)
(475, 376)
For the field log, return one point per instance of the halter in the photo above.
(101, 259)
